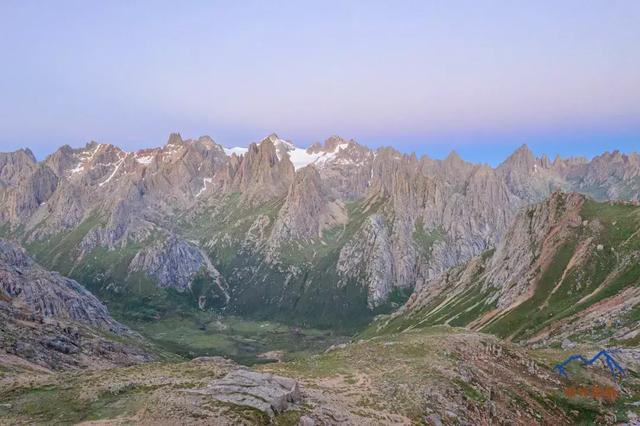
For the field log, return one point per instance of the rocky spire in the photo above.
(261, 174)
(522, 160)
(308, 209)
(174, 139)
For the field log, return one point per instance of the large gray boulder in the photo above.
(266, 392)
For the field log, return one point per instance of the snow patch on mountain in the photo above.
(147, 159)
(301, 157)
(238, 150)
(205, 181)
(115, 170)
(84, 158)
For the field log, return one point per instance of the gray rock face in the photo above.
(53, 321)
(266, 392)
(24, 185)
(260, 174)
(174, 263)
(47, 293)
(369, 256)
(308, 209)
(529, 240)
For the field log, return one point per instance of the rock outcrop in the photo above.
(48, 294)
(53, 322)
(175, 263)
(309, 209)
(266, 392)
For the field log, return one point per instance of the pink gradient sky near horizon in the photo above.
(480, 77)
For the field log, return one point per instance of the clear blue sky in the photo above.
(481, 77)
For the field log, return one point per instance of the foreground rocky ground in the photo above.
(434, 376)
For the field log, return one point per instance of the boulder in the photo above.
(266, 392)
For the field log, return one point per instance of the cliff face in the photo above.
(53, 321)
(380, 220)
(261, 174)
(566, 268)
(308, 210)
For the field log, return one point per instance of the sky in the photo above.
(479, 77)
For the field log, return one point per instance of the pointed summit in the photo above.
(281, 146)
(522, 160)
(174, 139)
(453, 156)
(29, 154)
(523, 149)
(453, 159)
(333, 142)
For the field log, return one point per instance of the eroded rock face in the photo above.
(54, 322)
(532, 240)
(175, 263)
(266, 392)
(47, 293)
(308, 209)
(260, 174)
(368, 257)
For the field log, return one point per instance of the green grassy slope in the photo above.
(611, 266)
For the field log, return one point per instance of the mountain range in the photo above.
(332, 233)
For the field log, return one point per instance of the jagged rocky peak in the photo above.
(308, 209)
(206, 139)
(174, 263)
(531, 178)
(453, 159)
(20, 155)
(261, 173)
(208, 143)
(391, 171)
(61, 160)
(281, 146)
(269, 149)
(332, 144)
(455, 168)
(609, 161)
(15, 166)
(521, 160)
(94, 158)
(174, 139)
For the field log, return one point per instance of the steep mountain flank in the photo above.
(335, 226)
(53, 322)
(308, 210)
(261, 174)
(567, 268)
(174, 263)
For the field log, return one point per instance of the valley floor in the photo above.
(437, 375)
(245, 341)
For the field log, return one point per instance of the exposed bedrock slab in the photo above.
(266, 392)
